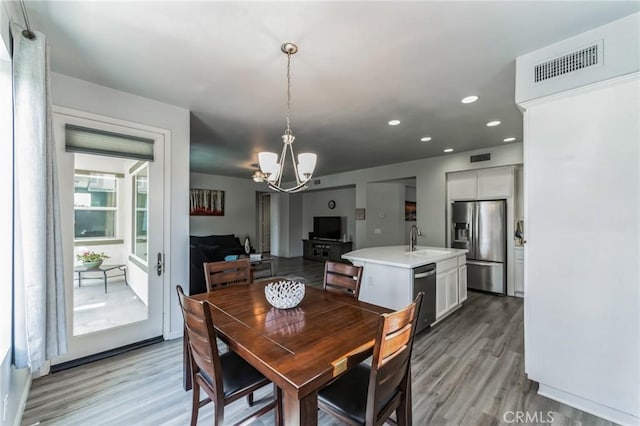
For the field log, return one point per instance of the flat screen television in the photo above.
(327, 227)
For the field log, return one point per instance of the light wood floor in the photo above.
(468, 370)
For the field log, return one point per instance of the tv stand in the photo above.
(323, 250)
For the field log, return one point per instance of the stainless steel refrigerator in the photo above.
(481, 228)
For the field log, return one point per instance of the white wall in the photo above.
(84, 96)
(385, 214)
(239, 207)
(315, 203)
(582, 210)
(430, 176)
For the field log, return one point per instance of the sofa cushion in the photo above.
(211, 253)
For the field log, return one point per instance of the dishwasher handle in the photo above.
(425, 274)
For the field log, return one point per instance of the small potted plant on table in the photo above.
(91, 259)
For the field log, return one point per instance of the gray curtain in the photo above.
(40, 330)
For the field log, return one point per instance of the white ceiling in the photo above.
(359, 65)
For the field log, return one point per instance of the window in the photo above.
(6, 200)
(95, 205)
(140, 203)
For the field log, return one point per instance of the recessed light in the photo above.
(469, 99)
(493, 123)
(425, 139)
(509, 139)
(448, 150)
(394, 122)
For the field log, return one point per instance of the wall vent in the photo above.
(480, 157)
(316, 182)
(574, 61)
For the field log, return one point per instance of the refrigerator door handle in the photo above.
(483, 263)
(474, 229)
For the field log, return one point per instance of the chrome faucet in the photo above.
(414, 232)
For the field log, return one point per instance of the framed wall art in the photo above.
(410, 211)
(206, 202)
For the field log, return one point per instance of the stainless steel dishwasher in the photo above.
(424, 280)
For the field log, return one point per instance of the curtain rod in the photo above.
(26, 33)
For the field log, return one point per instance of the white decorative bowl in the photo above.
(284, 294)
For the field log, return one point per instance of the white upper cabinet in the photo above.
(495, 183)
(482, 184)
(462, 185)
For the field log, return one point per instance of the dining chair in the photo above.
(226, 377)
(342, 278)
(369, 395)
(226, 273)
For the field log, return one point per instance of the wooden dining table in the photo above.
(300, 349)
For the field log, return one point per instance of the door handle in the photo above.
(159, 265)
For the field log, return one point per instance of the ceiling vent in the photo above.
(571, 62)
(480, 157)
(600, 54)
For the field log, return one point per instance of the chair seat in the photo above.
(347, 396)
(237, 374)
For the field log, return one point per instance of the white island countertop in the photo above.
(401, 257)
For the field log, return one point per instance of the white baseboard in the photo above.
(21, 384)
(589, 406)
(173, 335)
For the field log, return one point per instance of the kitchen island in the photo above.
(388, 276)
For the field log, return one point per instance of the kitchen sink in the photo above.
(428, 252)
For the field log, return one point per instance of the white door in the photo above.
(441, 295)
(112, 205)
(452, 288)
(462, 283)
(265, 222)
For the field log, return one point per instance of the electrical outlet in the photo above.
(377, 231)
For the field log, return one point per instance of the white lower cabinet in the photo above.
(441, 295)
(518, 271)
(452, 288)
(449, 293)
(462, 283)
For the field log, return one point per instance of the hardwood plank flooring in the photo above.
(467, 370)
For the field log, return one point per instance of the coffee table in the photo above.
(104, 269)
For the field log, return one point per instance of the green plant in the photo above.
(91, 256)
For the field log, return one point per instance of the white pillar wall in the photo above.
(582, 210)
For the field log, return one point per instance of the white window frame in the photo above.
(135, 209)
(116, 231)
(7, 201)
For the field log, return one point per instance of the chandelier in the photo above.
(271, 170)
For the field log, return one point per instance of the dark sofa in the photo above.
(212, 248)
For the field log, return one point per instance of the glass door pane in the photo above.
(105, 294)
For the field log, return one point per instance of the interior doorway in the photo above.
(265, 223)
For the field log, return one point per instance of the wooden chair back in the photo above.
(226, 273)
(390, 369)
(342, 278)
(201, 335)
